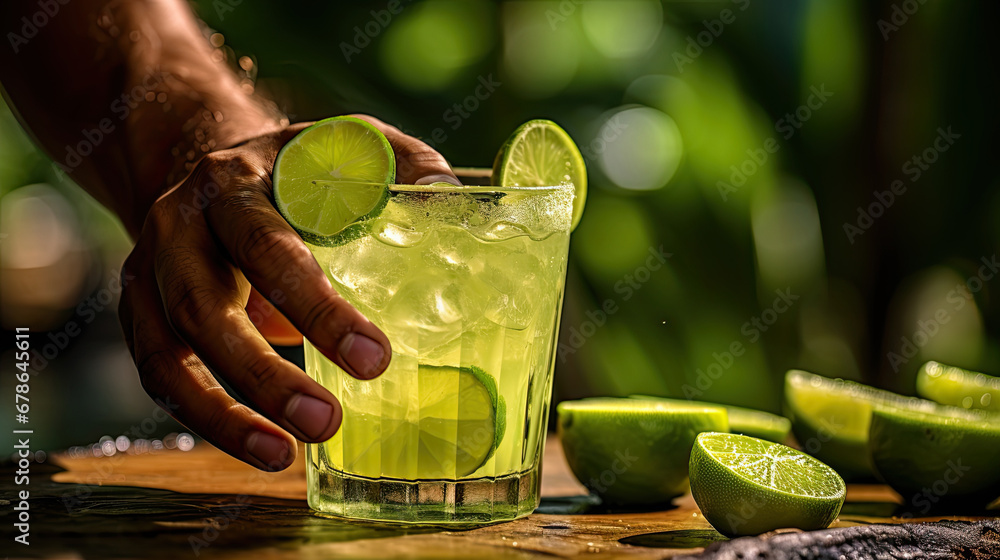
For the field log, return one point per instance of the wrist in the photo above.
(180, 102)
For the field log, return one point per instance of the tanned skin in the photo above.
(182, 153)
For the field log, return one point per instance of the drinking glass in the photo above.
(467, 283)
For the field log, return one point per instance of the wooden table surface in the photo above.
(202, 503)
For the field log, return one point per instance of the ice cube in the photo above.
(517, 291)
(426, 312)
(397, 235)
(368, 273)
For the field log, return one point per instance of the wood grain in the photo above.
(174, 504)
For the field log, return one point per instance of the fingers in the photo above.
(203, 302)
(276, 261)
(416, 162)
(272, 325)
(181, 384)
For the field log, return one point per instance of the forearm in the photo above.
(125, 96)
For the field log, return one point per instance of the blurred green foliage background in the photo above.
(783, 154)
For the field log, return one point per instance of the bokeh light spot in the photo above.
(624, 28)
(641, 148)
(787, 237)
(541, 56)
(428, 45)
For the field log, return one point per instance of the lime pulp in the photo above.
(455, 429)
(746, 421)
(332, 175)
(958, 387)
(541, 154)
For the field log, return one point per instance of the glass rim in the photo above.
(447, 188)
(439, 188)
(476, 177)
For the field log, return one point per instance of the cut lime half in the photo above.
(958, 387)
(830, 418)
(948, 457)
(450, 429)
(748, 486)
(540, 154)
(332, 175)
(758, 424)
(746, 421)
(633, 451)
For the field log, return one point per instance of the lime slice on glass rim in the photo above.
(460, 421)
(748, 486)
(331, 177)
(540, 154)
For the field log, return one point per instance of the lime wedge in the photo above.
(958, 387)
(454, 428)
(746, 421)
(830, 418)
(950, 457)
(332, 175)
(748, 486)
(540, 154)
(758, 424)
(633, 451)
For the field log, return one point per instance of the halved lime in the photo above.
(540, 154)
(633, 451)
(331, 175)
(951, 456)
(830, 418)
(748, 486)
(453, 428)
(758, 424)
(746, 421)
(958, 387)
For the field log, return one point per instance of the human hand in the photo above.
(203, 244)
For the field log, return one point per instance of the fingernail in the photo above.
(269, 449)
(441, 178)
(362, 354)
(310, 415)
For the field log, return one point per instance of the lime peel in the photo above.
(917, 452)
(748, 486)
(632, 451)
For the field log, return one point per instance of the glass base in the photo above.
(435, 502)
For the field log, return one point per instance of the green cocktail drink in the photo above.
(467, 283)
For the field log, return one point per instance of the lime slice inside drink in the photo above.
(452, 428)
(748, 486)
(958, 387)
(540, 154)
(949, 457)
(830, 418)
(746, 421)
(633, 451)
(332, 175)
